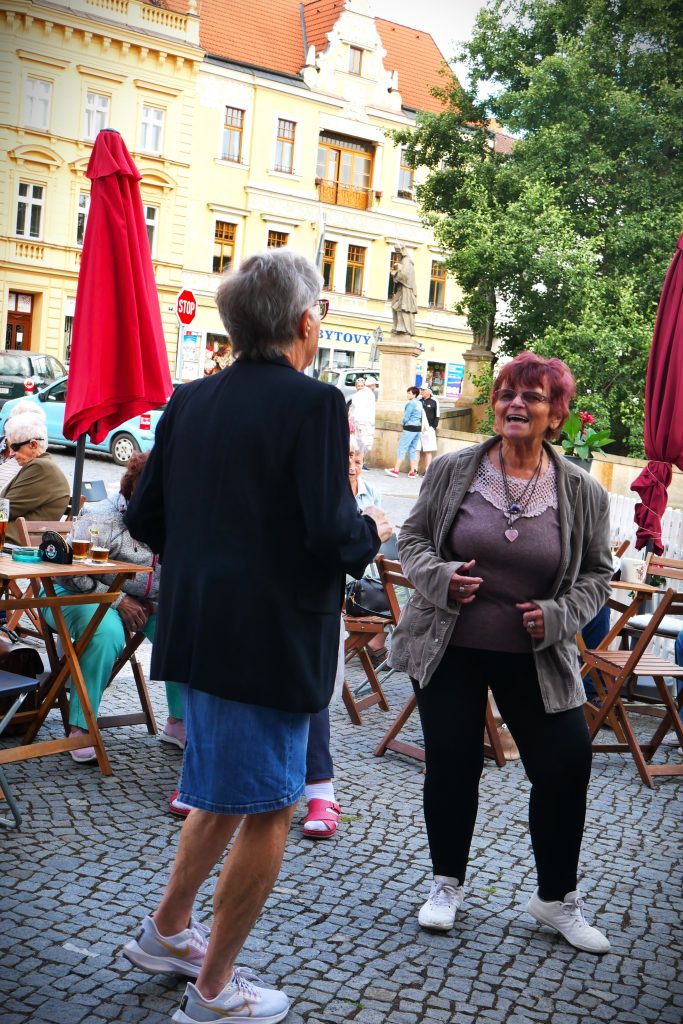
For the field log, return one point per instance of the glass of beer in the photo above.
(99, 544)
(4, 519)
(79, 538)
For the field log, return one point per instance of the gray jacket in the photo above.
(108, 514)
(580, 589)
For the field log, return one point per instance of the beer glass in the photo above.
(4, 519)
(79, 538)
(100, 538)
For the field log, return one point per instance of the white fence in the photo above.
(623, 527)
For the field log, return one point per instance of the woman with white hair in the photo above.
(39, 490)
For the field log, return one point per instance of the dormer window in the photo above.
(355, 60)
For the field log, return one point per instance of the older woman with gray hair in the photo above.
(39, 490)
(256, 526)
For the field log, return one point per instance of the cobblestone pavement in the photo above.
(339, 932)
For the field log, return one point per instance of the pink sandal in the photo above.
(326, 811)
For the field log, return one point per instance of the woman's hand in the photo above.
(532, 619)
(462, 587)
(134, 615)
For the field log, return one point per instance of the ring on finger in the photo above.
(461, 590)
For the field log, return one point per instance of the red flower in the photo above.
(586, 418)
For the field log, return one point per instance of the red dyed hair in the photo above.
(527, 370)
(134, 468)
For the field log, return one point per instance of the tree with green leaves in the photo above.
(562, 245)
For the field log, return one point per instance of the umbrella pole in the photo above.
(78, 476)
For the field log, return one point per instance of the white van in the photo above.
(345, 378)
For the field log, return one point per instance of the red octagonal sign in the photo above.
(186, 306)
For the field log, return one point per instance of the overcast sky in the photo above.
(447, 21)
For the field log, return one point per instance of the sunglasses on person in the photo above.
(528, 397)
(20, 444)
(322, 306)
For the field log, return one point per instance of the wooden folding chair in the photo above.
(391, 575)
(30, 533)
(612, 672)
(360, 631)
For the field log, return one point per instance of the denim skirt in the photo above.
(242, 758)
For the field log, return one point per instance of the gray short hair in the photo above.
(262, 302)
(26, 426)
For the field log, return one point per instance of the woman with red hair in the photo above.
(508, 550)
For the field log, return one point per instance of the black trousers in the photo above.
(555, 751)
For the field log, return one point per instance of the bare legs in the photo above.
(246, 879)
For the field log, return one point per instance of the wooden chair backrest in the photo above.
(670, 568)
(31, 531)
(392, 576)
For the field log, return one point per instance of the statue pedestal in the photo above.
(476, 360)
(398, 356)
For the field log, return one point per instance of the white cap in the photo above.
(370, 381)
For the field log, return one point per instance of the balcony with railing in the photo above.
(338, 193)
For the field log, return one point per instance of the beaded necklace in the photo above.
(515, 509)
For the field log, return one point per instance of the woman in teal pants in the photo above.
(133, 610)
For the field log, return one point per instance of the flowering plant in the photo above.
(580, 438)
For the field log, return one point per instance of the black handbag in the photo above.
(367, 597)
(53, 548)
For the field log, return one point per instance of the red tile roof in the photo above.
(417, 59)
(267, 34)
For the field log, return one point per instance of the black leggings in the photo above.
(555, 751)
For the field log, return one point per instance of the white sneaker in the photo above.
(240, 1001)
(567, 918)
(440, 909)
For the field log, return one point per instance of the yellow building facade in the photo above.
(69, 70)
(234, 157)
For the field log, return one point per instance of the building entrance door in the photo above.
(19, 316)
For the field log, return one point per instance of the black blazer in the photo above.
(256, 526)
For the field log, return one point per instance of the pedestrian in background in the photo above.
(363, 407)
(427, 444)
(250, 531)
(508, 550)
(410, 435)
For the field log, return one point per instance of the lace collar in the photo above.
(488, 481)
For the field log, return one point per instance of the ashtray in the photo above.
(26, 555)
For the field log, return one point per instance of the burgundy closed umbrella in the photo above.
(663, 409)
(118, 366)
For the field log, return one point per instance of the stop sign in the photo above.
(185, 306)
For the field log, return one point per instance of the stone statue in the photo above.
(403, 301)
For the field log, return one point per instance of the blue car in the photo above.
(135, 435)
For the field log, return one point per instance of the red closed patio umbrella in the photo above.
(118, 366)
(663, 409)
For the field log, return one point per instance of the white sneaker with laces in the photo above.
(241, 1002)
(169, 954)
(567, 918)
(440, 909)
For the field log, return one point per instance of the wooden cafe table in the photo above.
(45, 574)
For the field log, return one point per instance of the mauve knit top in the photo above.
(512, 572)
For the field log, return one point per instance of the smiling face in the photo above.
(521, 419)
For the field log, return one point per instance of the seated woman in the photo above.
(39, 490)
(134, 610)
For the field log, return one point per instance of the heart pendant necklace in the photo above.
(515, 509)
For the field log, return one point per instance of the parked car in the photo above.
(135, 435)
(345, 378)
(17, 368)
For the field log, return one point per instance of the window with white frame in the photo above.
(151, 127)
(284, 146)
(151, 223)
(37, 100)
(96, 114)
(29, 210)
(82, 216)
(233, 128)
(406, 176)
